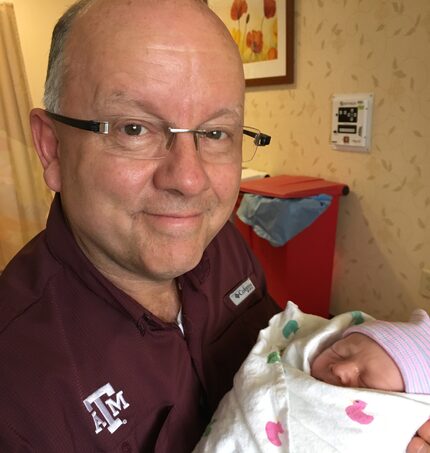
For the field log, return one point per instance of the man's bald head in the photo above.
(87, 19)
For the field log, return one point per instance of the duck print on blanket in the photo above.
(273, 431)
(291, 327)
(355, 413)
(357, 317)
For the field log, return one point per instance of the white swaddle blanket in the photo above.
(276, 406)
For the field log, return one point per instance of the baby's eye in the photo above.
(337, 353)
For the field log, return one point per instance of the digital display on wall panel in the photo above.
(347, 114)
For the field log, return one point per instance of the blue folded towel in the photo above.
(280, 219)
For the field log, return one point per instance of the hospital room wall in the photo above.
(35, 20)
(383, 237)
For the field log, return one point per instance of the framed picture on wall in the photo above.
(264, 33)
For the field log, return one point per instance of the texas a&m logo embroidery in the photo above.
(105, 411)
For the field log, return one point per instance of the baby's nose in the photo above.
(347, 373)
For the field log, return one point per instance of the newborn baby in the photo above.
(348, 384)
(392, 356)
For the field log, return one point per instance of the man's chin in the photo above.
(165, 268)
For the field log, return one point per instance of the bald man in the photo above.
(123, 323)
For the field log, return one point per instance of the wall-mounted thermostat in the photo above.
(351, 121)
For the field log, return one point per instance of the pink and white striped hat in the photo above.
(408, 344)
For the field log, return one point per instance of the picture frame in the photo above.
(264, 33)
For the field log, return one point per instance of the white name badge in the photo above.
(242, 292)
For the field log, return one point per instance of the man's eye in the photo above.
(216, 134)
(134, 129)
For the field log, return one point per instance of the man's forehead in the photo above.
(119, 62)
(156, 30)
(108, 16)
(134, 102)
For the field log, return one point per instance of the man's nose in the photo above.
(346, 371)
(183, 170)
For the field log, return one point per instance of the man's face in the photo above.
(147, 218)
(357, 361)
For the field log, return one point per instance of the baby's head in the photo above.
(393, 356)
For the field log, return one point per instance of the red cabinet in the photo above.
(302, 269)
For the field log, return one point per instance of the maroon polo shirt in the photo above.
(85, 368)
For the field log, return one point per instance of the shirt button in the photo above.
(141, 326)
(126, 447)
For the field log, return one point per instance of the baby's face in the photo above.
(357, 361)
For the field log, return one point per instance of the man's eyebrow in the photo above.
(226, 112)
(122, 98)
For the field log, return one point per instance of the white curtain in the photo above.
(24, 198)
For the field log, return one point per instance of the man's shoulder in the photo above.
(25, 278)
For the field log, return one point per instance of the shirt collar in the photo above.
(65, 249)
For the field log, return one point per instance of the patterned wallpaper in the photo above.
(350, 46)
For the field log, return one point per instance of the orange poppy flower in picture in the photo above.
(263, 32)
(269, 8)
(272, 54)
(254, 40)
(238, 9)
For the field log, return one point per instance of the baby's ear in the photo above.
(46, 143)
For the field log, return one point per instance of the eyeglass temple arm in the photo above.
(101, 127)
(88, 125)
(260, 139)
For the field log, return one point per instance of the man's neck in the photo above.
(160, 298)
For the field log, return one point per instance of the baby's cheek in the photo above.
(317, 366)
(321, 366)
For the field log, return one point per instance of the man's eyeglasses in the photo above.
(142, 138)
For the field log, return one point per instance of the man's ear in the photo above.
(46, 143)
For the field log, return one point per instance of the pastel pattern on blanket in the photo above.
(273, 431)
(276, 406)
(355, 412)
